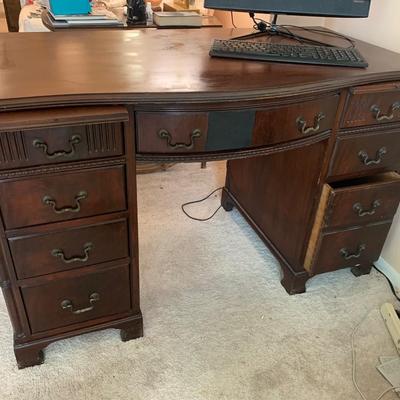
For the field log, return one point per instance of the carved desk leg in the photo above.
(361, 270)
(294, 283)
(131, 330)
(28, 356)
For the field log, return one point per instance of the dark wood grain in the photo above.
(378, 198)
(105, 191)
(33, 254)
(179, 126)
(186, 72)
(362, 100)
(281, 124)
(115, 77)
(278, 193)
(329, 257)
(44, 302)
(59, 144)
(347, 161)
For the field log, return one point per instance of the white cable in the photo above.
(354, 363)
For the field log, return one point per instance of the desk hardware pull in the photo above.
(367, 161)
(49, 201)
(67, 304)
(302, 124)
(164, 134)
(362, 213)
(44, 147)
(376, 111)
(348, 256)
(60, 253)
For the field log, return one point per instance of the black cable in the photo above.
(263, 26)
(199, 201)
(390, 283)
(233, 21)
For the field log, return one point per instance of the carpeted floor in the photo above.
(218, 324)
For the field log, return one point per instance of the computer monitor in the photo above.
(328, 8)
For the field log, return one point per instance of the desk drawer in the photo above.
(366, 153)
(348, 248)
(31, 137)
(67, 301)
(66, 249)
(171, 132)
(62, 197)
(294, 121)
(373, 104)
(363, 201)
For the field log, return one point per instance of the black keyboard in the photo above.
(299, 54)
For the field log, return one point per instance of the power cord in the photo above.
(200, 201)
(233, 20)
(354, 363)
(283, 30)
(390, 283)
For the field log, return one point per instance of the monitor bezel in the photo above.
(245, 10)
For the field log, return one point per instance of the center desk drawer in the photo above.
(56, 251)
(193, 132)
(363, 153)
(65, 196)
(71, 300)
(171, 132)
(294, 121)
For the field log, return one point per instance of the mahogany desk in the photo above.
(312, 158)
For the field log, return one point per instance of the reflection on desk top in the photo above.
(161, 66)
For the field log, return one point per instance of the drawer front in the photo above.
(42, 254)
(171, 132)
(373, 104)
(364, 203)
(360, 246)
(294, 121)
(61, 197)
(69, 301)
(60, 144)
(365, 153)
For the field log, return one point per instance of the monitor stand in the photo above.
(276, 30)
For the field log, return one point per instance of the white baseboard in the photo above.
(390, 272)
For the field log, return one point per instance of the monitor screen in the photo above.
(332, 8)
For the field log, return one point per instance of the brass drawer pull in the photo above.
(49, 201)
(164, 134)
(376, 111)
(44, 147)
(68, 305)
(60, 254)
(362, 213)
(302, 124)
(367, 161)
(348, 256)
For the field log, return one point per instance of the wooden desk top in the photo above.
(159, 66)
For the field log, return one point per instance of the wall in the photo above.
(381, 28)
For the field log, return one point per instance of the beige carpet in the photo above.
(218, 325)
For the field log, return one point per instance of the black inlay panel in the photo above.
(229, 130)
